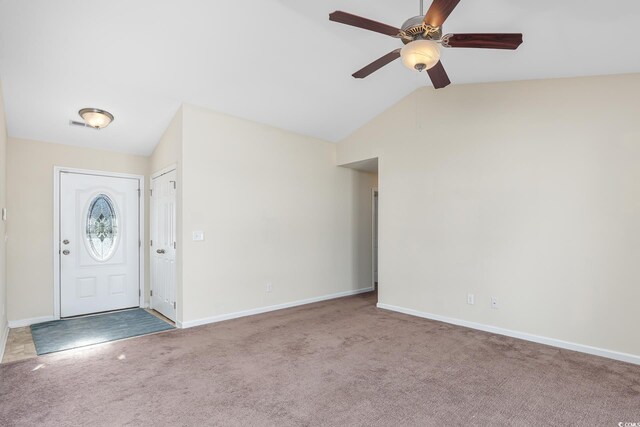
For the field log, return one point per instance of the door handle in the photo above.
(160, 251)
(65, 241)
(66, 252)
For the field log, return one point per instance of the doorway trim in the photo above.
(57, 171)
(375, 238)
(164, 171)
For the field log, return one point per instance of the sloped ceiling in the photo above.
(278, 62)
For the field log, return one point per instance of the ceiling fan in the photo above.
(422, 36)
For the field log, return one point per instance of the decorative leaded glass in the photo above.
(102, 227)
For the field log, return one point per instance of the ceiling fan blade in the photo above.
(439, 76)
(483, 41)
(360, 22)
(377, 64)
(439, 12)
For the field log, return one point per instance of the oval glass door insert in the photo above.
(102, 227)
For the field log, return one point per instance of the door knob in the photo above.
(160, 251)
(65, 241)
(66, 252)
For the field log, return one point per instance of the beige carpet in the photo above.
(341, 362)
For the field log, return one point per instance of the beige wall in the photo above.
(30, 221)
(168, 152)
(3, 203)
(274, 208)
(527, 191)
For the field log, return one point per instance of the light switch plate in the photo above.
(198, 236)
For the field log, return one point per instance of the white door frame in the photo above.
(164, 171)
(375, 237)
(57, 170)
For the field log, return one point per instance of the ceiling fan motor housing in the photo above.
(415, 29)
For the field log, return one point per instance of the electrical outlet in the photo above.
(471, 299)
(269, 287)
(494, 302)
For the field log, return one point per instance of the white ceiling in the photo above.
(279, 62)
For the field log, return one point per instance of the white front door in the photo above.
(99, 243)
(163, 244)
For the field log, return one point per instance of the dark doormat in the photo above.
(58, 335)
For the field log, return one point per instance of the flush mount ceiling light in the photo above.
(96, 118)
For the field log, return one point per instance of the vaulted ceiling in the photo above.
(278, 62)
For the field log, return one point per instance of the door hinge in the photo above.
(151, 193)
(151, 293)
(174, 245)
(138, 192)
(139, 292)
(151, 243)
(174, 305)
(174, 184)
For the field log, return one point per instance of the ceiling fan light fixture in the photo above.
(96, 118)
(420, 55)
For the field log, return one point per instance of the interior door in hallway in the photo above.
(99, 243)
(163, 244)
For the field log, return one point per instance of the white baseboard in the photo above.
(28, 322)
(4, 334)
(610, 354)
(229, 316)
